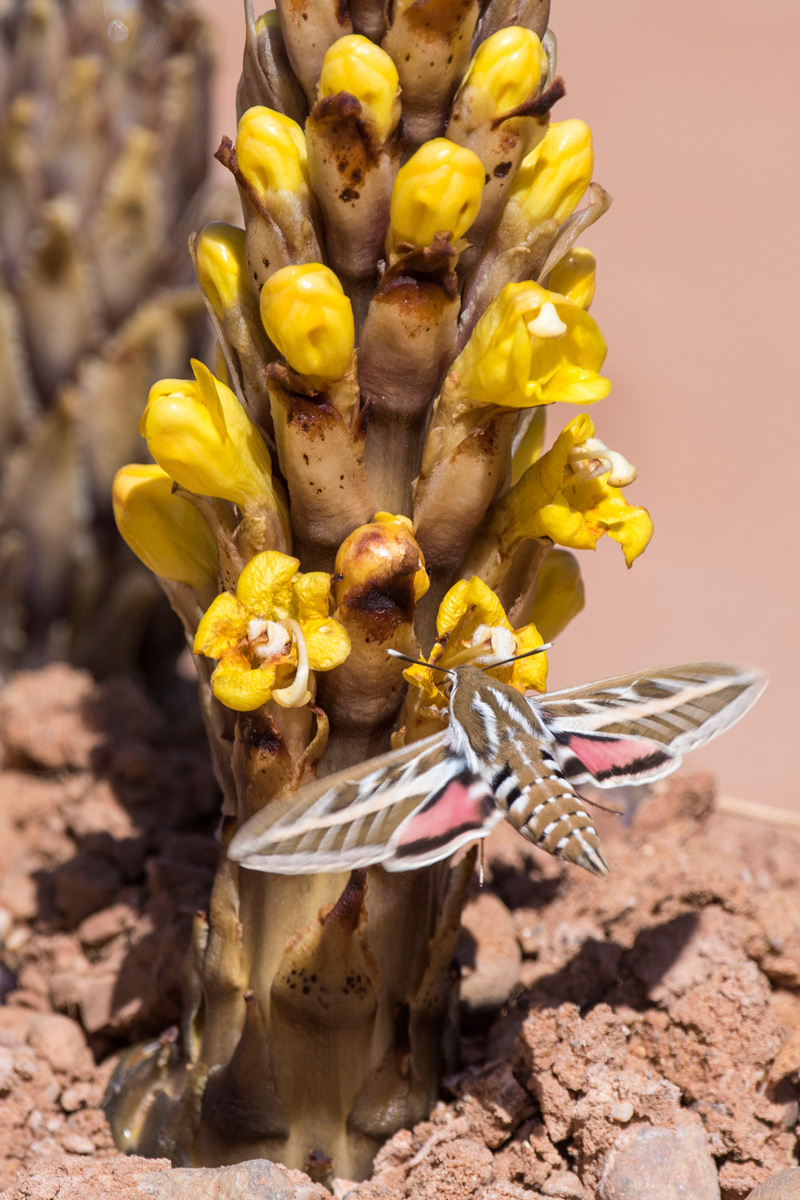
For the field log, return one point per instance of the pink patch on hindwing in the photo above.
(459, 807)
(611, 757)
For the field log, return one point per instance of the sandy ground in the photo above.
(655, 1014)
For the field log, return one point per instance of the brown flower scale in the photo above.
(319, 1011)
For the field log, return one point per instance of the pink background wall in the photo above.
(695, 112)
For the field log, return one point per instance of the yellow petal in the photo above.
(529, 674)
(559, 594)
(627, 524)
(265, 585)
(354, 64)
(565, 525)
(239, 686)
(162, 528)
(575, 276)
(425, 678)
(438, 190)
(463, 596)
(271, 151)
(313, 594)
(327, 642)
(221, 627)
(310, 320)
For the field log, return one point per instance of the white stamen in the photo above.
(501, 640)
(278, 640)
(297, 693)
(256, 628)
(592, 458)
(547, 323)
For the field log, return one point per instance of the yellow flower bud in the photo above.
(162, 529)
(552, 178)
(505, 72)
(356, 65)
(221, 264)
(309, 318)
(574, 276)
(438, 189)
(532, 347)
(271, 151)
(199, 433)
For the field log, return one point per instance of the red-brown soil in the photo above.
(666, 997)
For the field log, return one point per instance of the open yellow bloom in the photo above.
(271, 151)
(309, 319)
(270, 634)
(552, 179)
(570, 496)
(438, 190)
(221, 264)
(199, 433)
(505, 71)
(530, 347)
(574, 277)
(162, 529)
(473, 628)
(354, 64)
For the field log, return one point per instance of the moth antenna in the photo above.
(419, 663)
(482, 864)
(615, 812)
(505, 661)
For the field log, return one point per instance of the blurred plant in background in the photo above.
(103, 145)
(365, 470)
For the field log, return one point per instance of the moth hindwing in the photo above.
(502, 755)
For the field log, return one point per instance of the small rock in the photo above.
(253, 1180)
(73, 1098)
(564, 1184)
(76, 1143)
(60, 1041)
(488, 953)
(622, 1112)
(785, 1186)
(651, 1163)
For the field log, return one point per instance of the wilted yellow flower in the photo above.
(162, 529)
(199, 433)
(363, 556)
(354, 64)
(221, 264)
(569, 496)
(310, 319)
(505, 71)
(560, 593)
(271, 151)
(530, 347)
(552, 179)
(473, 628)
(575, 276)
(270, 634)
(439, 189)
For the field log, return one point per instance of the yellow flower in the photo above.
(270, 634)
(473, 628)
(530, 347)
(356, 65)
(560, 594)
(438, 190)
(552, 179)
(574, 277)
(505, 71)
(162, 529)
(271, 151)
(310, 319)
(199, 433)
(221, 265)
(570, 495)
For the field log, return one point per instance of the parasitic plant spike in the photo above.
(370, 471)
